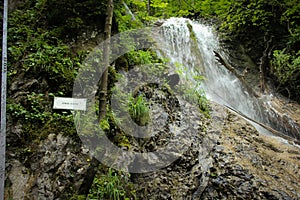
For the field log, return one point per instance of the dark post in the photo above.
(3, 102)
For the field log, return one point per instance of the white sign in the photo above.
(69, 103)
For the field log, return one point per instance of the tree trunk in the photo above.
(223, 62)
(227, 65)
(106, 52)
(148, 7)
(93, 168)
(89, 177)
(264, 64)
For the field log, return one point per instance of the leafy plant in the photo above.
(40, 119)
(286, 68)
(139, 110)
(197, 96)
(194, 94)
(36, 108)
(111, 186)
(104, 125)
(37, 51)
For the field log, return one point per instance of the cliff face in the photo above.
(52, 170)
(233, 161)
(227, 159)
(257, 166)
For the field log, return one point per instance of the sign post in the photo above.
(69, 103)
(3, 101)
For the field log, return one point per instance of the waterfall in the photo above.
(190, 45)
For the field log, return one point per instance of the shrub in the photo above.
(111, 186)
(286, 69)
(139, 110)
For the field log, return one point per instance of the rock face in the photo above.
(232, 161)
(228, 159)
(53, 171)
(284, 115)
(224, 158)
(251, 166)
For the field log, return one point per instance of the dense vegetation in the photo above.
(253, 23)
(46, 39)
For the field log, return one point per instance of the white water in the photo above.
(191, 45)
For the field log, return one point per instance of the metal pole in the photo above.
(3, 101)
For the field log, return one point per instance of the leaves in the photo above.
(285, 65)
(112, 185)
(286, 68)
(139, 110)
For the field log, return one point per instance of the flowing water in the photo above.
(189, 45)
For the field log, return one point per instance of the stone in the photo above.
(50, 177)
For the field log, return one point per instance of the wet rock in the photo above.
(228, 161)
(249, 172)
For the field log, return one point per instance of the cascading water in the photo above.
(190, 45)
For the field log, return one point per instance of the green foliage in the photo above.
(111, 186)
(122, 140)
(241, 15)
(180, 8)
(139, 110)
(78, 197)
(37, 51)
(209, 8)
(157, 9)
(140, 57)
(125, 21)
(36, 109)
(294, 38)
(53, 60)
(40, 119)
(253, 20)
(77, 15)
(104, 125)
(291, 16)
(286, 68)
(195, 94)
(282, 66)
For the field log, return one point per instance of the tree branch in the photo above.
(228, 66)
(264, 64)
